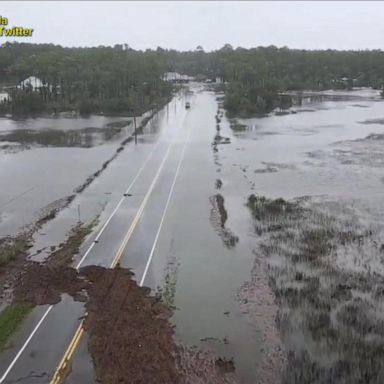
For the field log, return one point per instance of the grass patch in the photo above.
(238, 127)
(12, 247)
(64, 255)
(335, 311)
(10, 321)
(264, 209)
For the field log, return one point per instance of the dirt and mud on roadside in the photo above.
(130, 336)
(324, 263)
(14, 249)
(14, 257)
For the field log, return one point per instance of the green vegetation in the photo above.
(336, 305)
(271, 209)
(116, 80)
(256, 77)
(86, 229)
(237, 127)
(14, 314)
(111, 80)
(12, 247)
(10, 320)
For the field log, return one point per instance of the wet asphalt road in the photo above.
(198, 273)
(37, 362)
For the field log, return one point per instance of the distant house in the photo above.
(3, 96)
(174, 77)
(34, 83)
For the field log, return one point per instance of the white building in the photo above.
(34, 82)
(176, 77)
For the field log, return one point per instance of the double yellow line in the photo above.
(62, 368)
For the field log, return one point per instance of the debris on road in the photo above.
(130, 336)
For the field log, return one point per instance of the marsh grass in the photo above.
(331, 318)
(12, 247)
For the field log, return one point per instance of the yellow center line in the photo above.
(63, 365)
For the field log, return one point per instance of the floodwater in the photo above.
(323, 261)
(44, 160)
(302, 154)
(314, 264)
(230, 280)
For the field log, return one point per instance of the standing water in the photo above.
(282, 285)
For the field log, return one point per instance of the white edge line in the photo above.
(86, 254)
(116, 208)
(21, 350)
(164, 212)
(25, 344)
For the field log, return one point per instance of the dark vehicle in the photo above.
(187, 105)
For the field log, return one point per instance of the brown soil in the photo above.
(11, 273)
(64, 255)
(130, 337)
(40, 284)
(197, 367)
(14, 256)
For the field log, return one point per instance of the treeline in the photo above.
(111, 80)
(257, 76)
(119, 79)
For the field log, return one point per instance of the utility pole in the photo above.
(134, 120)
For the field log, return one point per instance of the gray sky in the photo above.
(184, 25)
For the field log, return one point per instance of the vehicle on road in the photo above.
(187, 105)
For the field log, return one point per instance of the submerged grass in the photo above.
(331, 317)
(11, 319)
(12, 247)
(12, 316)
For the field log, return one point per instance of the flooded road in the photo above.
(231, 265)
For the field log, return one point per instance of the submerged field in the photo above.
(311, 179)
(325, 268)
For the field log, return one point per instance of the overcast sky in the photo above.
(184, 25)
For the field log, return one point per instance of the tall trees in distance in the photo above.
(120, 79)
(103, 79)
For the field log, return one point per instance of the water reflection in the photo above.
(83, 137)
